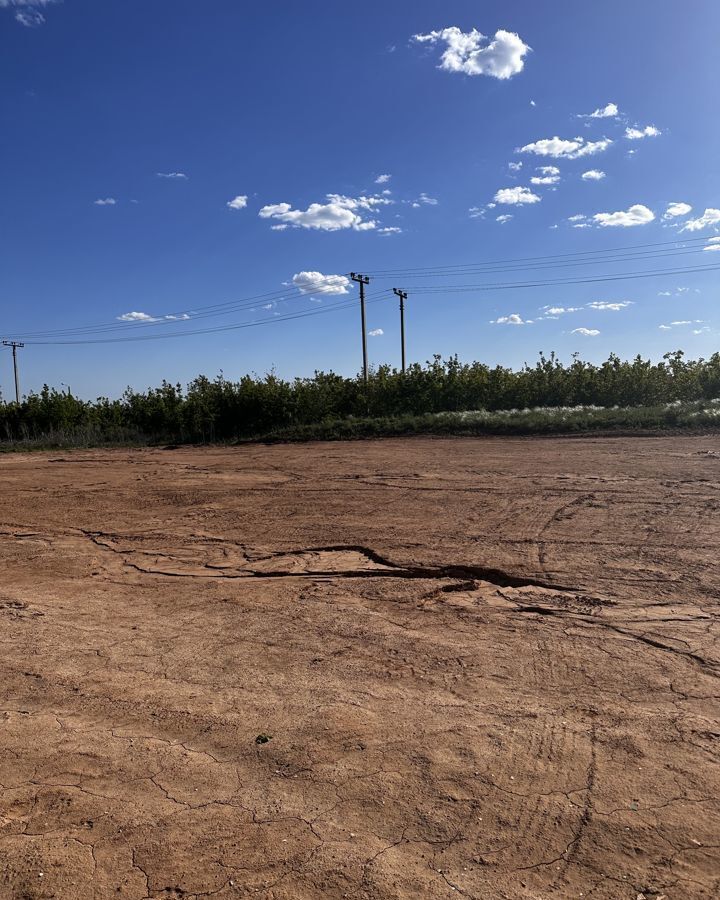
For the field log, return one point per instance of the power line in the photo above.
(500, 286)
(222, 328)
(428, 290)
(575, 253)
(228, 307)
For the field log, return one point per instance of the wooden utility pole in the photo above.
(362, 280)
(15, 345)
(403, 297)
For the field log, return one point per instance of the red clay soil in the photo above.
(480, 668)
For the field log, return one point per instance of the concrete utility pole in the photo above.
(362, 280)
(403, 297)
(15, 345)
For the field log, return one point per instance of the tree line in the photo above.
(222, 410)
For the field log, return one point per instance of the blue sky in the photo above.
(237, 146)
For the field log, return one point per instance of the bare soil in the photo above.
(404, 669)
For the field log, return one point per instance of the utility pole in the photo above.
(362, 280)
(15, 345)
(403, 297)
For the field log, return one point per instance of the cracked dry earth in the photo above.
(487, 668)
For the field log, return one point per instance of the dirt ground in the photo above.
(486, 669)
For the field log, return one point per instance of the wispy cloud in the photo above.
(27, 12)
(593, 175)
(176, 175)
(473, 53)
(709, 219)
(554, 311)
(504, 219)
(606, 112)
(146, 317)
(383, 179)
(611, 306)
(427, 201)
(376, 332)
(557, 148)
(512, 319)
(107, 201)
(548, 175)
(586, 332)
(637, 134)
(682, 323)
(136, 317)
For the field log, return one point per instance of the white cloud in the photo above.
(612, 306)
(470, 53)
(555, 311)
(317, 283)
(376, 332)
(27, 13)
(593, 175)
(240, 202)
(383, 179)
(175, 175)
(637, 134)
(548, 175)
(677, 209)
(136, 317)
(146, 317)
(713, 243)
(515, 166)
(577, 218)
(503, 219)
(515, 195)
(533, 103)
(586, 332)
(108, 201)
(476, 212)
(635, 215)
(711, 217)
(606, 112)
(561, 149)
(512, 319)
(428, 201)
(338, 213)
(391, 229)
(30, 18)
(664, 328)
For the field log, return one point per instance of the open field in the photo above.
(488, 668)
